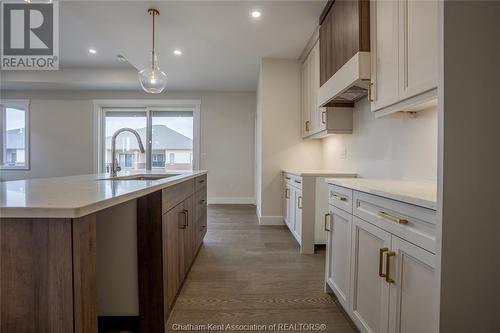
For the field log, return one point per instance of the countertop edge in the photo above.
(320, 173)
(77, 212)
(424, 203)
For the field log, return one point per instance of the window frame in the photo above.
(23, 104)
(148, 106)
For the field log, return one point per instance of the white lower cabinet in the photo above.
(297, 227)
(292, 210)
(412, 308)
(338, 226)
(369, 306)
(384, 282)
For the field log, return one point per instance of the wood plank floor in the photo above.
(251, 274)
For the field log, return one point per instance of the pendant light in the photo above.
(153, 79)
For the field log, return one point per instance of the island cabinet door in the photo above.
(172, 254)
(369, 290)
(188, 235)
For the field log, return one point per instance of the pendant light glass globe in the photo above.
(153, 79)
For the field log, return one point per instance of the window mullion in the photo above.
(149, 138)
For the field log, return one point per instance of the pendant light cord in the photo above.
(153, 53)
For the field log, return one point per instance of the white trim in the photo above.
(231, 201)
(193, 105)
(25, 105)
(271, 220)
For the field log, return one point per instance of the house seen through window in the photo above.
(14, 139)
(171, 134)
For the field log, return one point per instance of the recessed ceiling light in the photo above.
(177, 52)
(92, 51)
(256, 14)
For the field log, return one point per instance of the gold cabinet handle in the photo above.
(299, 202)
(388, 256)
(327, 219)
(392, 218)
(287, 178)
(338, 197)
(381, 261)
(323, 117)
(370, 92)
(287, 193)
(307, 126)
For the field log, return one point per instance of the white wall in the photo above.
(62, 137)
(397, 146)
(278, 131)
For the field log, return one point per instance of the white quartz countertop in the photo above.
(319, 173)
(416, 193)
(76, 196)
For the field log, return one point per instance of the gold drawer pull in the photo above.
(323, 117)
(327, 218)
(388, 266)
(392, 218)
(298, 181)
(339, 197)
(381, 261)
(287, 193)
(287, 178)
(307, 126)
(299, 202)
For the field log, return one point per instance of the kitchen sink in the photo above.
(142, 177)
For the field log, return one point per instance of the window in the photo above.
(158, 160)
(14, 121)
(169, 134)
(126, 160)
(172, 132)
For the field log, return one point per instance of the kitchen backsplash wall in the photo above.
(399, 146)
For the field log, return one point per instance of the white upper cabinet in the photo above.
(418, 46)
(384, 53)
(305, 99)
(404, 55)
(317, 122)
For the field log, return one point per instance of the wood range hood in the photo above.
(344, 52)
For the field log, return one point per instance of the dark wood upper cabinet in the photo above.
(344, 31)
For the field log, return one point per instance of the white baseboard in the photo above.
(231, 201)
(271, 220)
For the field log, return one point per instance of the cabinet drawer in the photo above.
(412, 223)
(173, 195)
(293, 180)
(200, 182)
(340, 197)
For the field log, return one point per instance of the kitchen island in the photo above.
(48, 237)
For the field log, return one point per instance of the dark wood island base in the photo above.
(48, 265)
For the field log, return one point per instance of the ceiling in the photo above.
(221, 43)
